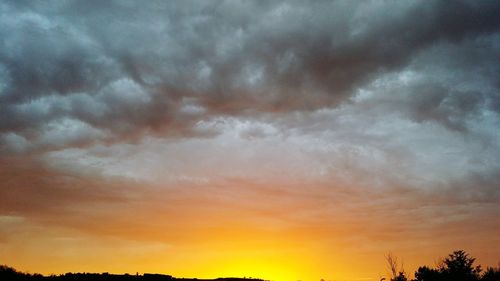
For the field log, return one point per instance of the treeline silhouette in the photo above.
(457, 266)
(8, 273)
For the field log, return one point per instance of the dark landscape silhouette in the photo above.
(9, 273)
(458, 266)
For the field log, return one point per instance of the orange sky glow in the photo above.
(208, 231)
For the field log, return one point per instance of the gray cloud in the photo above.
(79, 72)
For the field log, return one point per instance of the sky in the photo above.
(286, 140)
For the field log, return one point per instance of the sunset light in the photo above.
(272, 140)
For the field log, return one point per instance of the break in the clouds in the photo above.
(123, 103)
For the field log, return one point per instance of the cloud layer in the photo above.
(76, 72)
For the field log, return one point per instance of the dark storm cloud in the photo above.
(108, 70)
(448, 83)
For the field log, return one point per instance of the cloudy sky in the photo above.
(283, 140)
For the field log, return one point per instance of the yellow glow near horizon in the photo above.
(264, 269)
(278, 258)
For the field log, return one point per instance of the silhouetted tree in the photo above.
(459, 266)
(400, 277)
(397, 272)
(491, 274)
(9, 273)
(425, 273)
